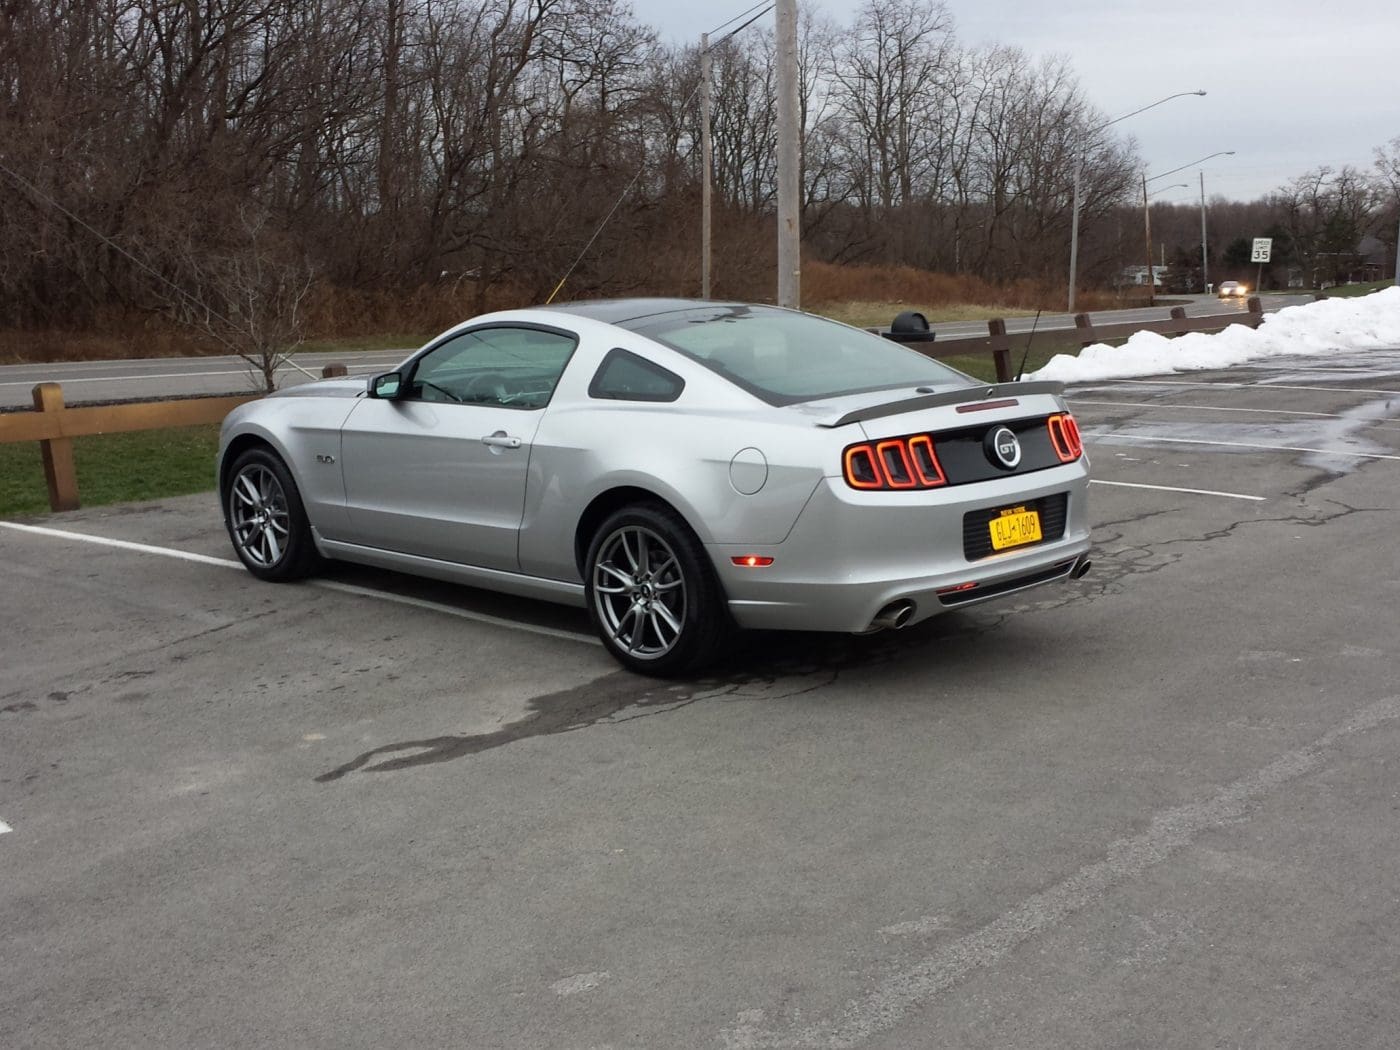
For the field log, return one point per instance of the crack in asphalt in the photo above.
(1115, 564)
(97, 673)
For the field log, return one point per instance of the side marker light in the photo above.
(751, 561)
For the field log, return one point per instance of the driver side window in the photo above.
(505, 367)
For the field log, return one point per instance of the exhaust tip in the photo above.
(894, 616)
(1082, 568)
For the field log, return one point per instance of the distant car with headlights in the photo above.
(678, 467)
(1232, 290)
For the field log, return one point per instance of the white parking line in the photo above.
(141, 548)
(1235, 386)
(1172, 488)
(4, 828)
(325, 585)
(1210, 408)
(1109, 438)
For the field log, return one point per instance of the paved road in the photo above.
(171, 376)
(164, 377)
(1153, 808)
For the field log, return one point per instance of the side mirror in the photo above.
(386, 387)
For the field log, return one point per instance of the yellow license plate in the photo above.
(1014, 527)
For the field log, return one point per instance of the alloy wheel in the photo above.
(639, 592)
(258, 515)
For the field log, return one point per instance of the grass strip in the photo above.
(114, 468)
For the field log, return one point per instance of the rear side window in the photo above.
(786, 357)
(626, 377)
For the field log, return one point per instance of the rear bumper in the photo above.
(851, 554)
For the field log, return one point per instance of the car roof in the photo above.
(627, 311)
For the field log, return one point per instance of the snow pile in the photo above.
(1329, 326)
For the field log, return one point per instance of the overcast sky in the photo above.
(1292, 83)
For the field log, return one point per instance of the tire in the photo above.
(266, 520)
(652, 594)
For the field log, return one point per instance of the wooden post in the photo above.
(1256, 311)
(59, 473)
(1001, 349)
(1085, 324)
(1179, 314)
(334, 370)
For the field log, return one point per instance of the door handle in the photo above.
(500, 439)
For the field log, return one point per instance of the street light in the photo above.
(1078, 164)
(1202, 160)
(1147, 218)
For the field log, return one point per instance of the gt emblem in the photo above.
(1004, 448)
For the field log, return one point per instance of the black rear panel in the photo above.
(977, 537)
(964, 457)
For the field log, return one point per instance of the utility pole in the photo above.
(1147, 234)
(706, 165)
(1074, 232)
(789, 160)
(1205, 277)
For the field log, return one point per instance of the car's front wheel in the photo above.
(266, 519)
(652, 594)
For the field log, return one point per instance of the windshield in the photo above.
(785, 357)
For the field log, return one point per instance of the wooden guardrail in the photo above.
(1090, 333)
(997, 343)
(54, 425)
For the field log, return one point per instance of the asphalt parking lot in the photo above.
(1156, 807)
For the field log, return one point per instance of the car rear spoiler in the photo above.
(965, 395)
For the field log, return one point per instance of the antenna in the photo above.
(1034, 324)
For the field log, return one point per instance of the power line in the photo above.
(194, 300)
(741, 14)
(735, 32)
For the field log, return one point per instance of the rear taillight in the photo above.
(897, 463)
(1064, 436)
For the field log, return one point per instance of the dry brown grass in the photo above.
(824, 284)
(335, 318)
(357, 319)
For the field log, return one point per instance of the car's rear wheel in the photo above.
(652, 594)
(266, 519)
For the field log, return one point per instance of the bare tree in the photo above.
(248, 293)
(1326, 212)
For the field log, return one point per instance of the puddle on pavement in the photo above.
(772, 666)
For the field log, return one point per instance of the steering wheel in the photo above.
(489, 386)
(441, 390)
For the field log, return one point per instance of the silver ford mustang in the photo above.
(677, 467)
